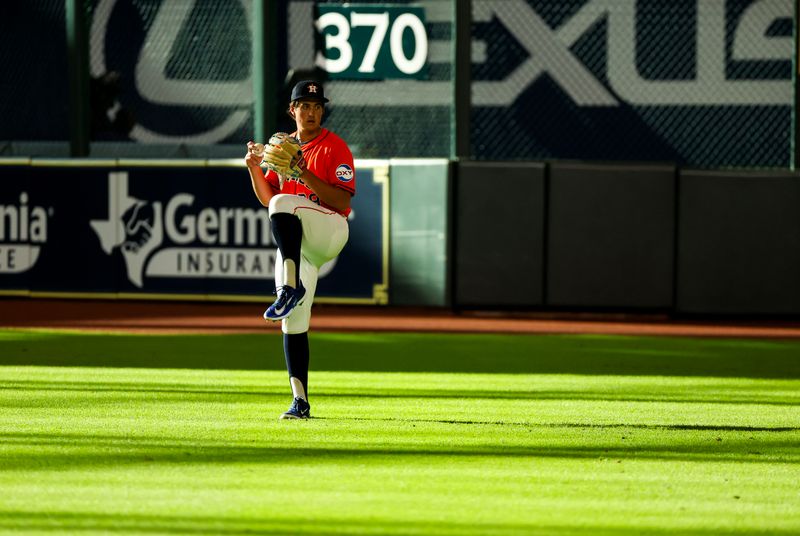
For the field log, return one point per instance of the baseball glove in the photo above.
(284, 156)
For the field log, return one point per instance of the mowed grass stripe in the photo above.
(414, 352)
(135, 450)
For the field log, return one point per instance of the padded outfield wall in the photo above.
(627, 237)
(575, 236)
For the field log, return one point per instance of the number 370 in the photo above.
(340, 41)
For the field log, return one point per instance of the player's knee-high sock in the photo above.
(295, 348)
(288, 232)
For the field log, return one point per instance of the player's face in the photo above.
(308, 115)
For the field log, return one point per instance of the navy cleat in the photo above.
(288, 299)
(300, 409)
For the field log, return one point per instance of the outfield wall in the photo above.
(626, 237)
(541, 236)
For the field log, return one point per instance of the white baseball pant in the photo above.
(325, 233)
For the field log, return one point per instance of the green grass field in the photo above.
(412, 434)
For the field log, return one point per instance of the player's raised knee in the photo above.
(283, 203)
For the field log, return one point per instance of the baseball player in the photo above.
(307, 187)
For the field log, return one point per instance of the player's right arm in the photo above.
(262, 187)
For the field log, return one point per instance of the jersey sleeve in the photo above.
(344, 169)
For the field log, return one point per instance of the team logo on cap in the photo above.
(312, 88)
(344, 173)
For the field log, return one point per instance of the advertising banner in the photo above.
(177, 230)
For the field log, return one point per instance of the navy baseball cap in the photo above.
(308, 89)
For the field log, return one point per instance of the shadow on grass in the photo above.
(407, 352)
(25, 451)
(588, 426)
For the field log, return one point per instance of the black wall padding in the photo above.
(739, 243)
(610, 240)
(499, 234)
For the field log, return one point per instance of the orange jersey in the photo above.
(328, 157)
